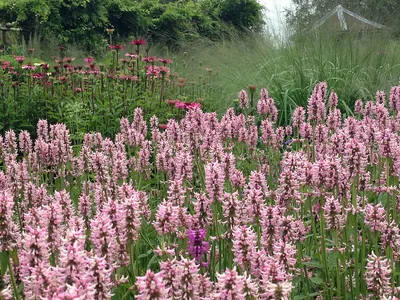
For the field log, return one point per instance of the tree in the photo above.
(168, 22)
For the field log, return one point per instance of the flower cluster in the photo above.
(206, 208)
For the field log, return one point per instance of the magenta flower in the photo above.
(38, 76)
(165, 60)
(192, 105)
(19, 59)
(138, 42)
(131, 55)
(180, 104)
(89, 60)
(29, 67)
(197, 245)
(116, 47)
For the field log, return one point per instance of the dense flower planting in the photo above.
(94, 95)
(202, 208)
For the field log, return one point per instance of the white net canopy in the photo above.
(342, 19)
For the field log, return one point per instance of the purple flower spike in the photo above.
(197, 246)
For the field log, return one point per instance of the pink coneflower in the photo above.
(19, 59)
(192, 105)
(153, 71)
(131, 55)
(138, 42)
(180, 105)
(165, 60)
(163, 70)
(89, 60)
(38, 76)
(45, 66)
(116, 47)
(68, 60)
(62, 79)
(150, 59)
(29, 67)
(172, 102)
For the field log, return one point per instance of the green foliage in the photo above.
(170, 23)
(241, 13)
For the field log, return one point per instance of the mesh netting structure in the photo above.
(341, 19)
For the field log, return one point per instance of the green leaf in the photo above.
(316, 280)
(152, 261)
(145, 254)
(308, 296)
(333, 258)
(313, 264)
(4, 259)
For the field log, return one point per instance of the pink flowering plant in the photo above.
(207, 208)
(93, 94)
